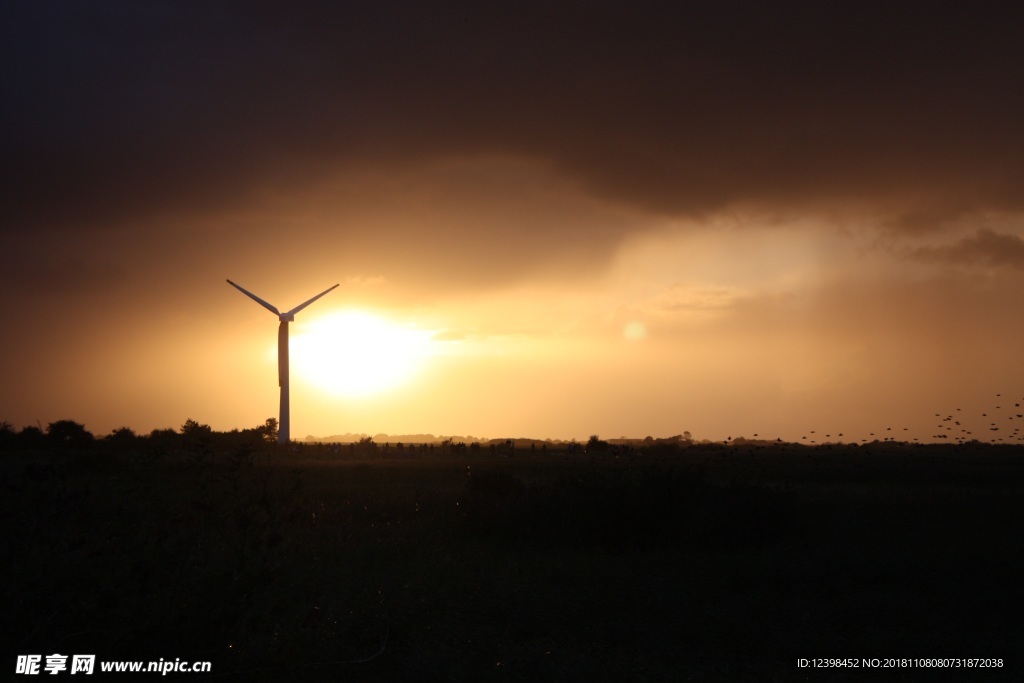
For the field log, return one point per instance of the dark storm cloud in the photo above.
(120, 109)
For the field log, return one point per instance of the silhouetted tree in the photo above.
(270, 430)
(196, 436)
(8, 438)
(121, 439)
(68, 434)
(31, 437)
(163, 440)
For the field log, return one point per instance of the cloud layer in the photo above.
(120, 110)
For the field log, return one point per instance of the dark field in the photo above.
(701, 563)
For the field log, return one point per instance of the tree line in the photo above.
(68, 435)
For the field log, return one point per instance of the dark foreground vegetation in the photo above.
(359, 563)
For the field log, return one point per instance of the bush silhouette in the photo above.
(68, 434)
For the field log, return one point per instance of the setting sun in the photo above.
(354, 353)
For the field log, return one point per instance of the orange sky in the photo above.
(577, 218)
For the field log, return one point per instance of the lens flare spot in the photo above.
(634, 331)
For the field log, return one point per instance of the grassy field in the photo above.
(700, 563)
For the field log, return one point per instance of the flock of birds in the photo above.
(1002, 424)
(955, 427)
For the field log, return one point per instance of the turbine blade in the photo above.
(303, 305)
(255, 298)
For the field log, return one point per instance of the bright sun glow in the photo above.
(357, 354)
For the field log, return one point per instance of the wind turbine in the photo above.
(284, 424)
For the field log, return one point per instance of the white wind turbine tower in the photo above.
(284, 423)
